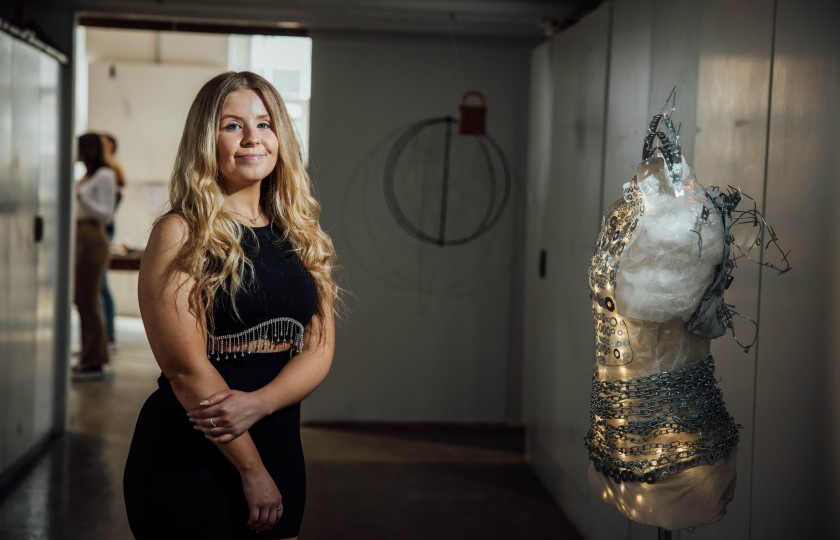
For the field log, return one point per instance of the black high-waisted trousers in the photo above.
(177, 484)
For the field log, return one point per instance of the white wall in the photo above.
(144, 106)
(754, 114)
(140, 86)
(797, 378)
(564, 208)
(432, 332)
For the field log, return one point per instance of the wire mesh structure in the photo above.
(443, 187)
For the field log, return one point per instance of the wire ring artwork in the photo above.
(496, 176)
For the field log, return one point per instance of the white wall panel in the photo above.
(429, 332)
(628, 109)
(23, 195)
(538, 180)
(797, 378)
(730, 144)
(674, 54)
(6, 206)
(28, 269)
(561, 355)
(570, 227)
(46, 271)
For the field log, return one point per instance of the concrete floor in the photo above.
(364, 482)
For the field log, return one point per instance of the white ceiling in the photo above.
(523, 19)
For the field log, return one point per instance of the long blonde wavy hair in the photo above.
(212, 254)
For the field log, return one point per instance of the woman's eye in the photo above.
(233, 126)
(264, 125)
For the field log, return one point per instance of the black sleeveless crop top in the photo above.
(275, 303)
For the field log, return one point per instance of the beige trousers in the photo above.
(91, 257)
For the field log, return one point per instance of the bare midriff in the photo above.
(258, 346)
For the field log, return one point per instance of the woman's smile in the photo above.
(250, 157)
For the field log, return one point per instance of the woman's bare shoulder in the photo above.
(169, 234)
(171, 228)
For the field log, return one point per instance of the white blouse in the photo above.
(97, 196)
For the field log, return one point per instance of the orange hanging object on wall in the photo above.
(472, 119)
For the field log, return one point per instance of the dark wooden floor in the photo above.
(364, 482)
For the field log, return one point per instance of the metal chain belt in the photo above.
(628, 416)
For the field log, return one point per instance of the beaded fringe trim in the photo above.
(279, 330)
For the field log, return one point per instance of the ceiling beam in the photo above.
(523, 19)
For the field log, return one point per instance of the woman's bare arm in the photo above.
(302, 375)
(233, 412)
(178, 341)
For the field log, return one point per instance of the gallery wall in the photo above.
(431, 332)
(755, 82)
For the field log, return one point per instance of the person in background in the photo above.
(236, 296)
(95, 198)
(110, 145)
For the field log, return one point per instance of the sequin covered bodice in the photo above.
(612, 342)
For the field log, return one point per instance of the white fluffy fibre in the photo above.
(673, 254)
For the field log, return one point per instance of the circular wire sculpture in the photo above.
(444, 188)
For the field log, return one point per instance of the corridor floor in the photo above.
(364, 482)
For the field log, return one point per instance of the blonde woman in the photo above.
(236, 295)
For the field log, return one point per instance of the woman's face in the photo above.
(246, 145)
(107, 147)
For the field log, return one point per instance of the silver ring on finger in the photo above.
(212, 423)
